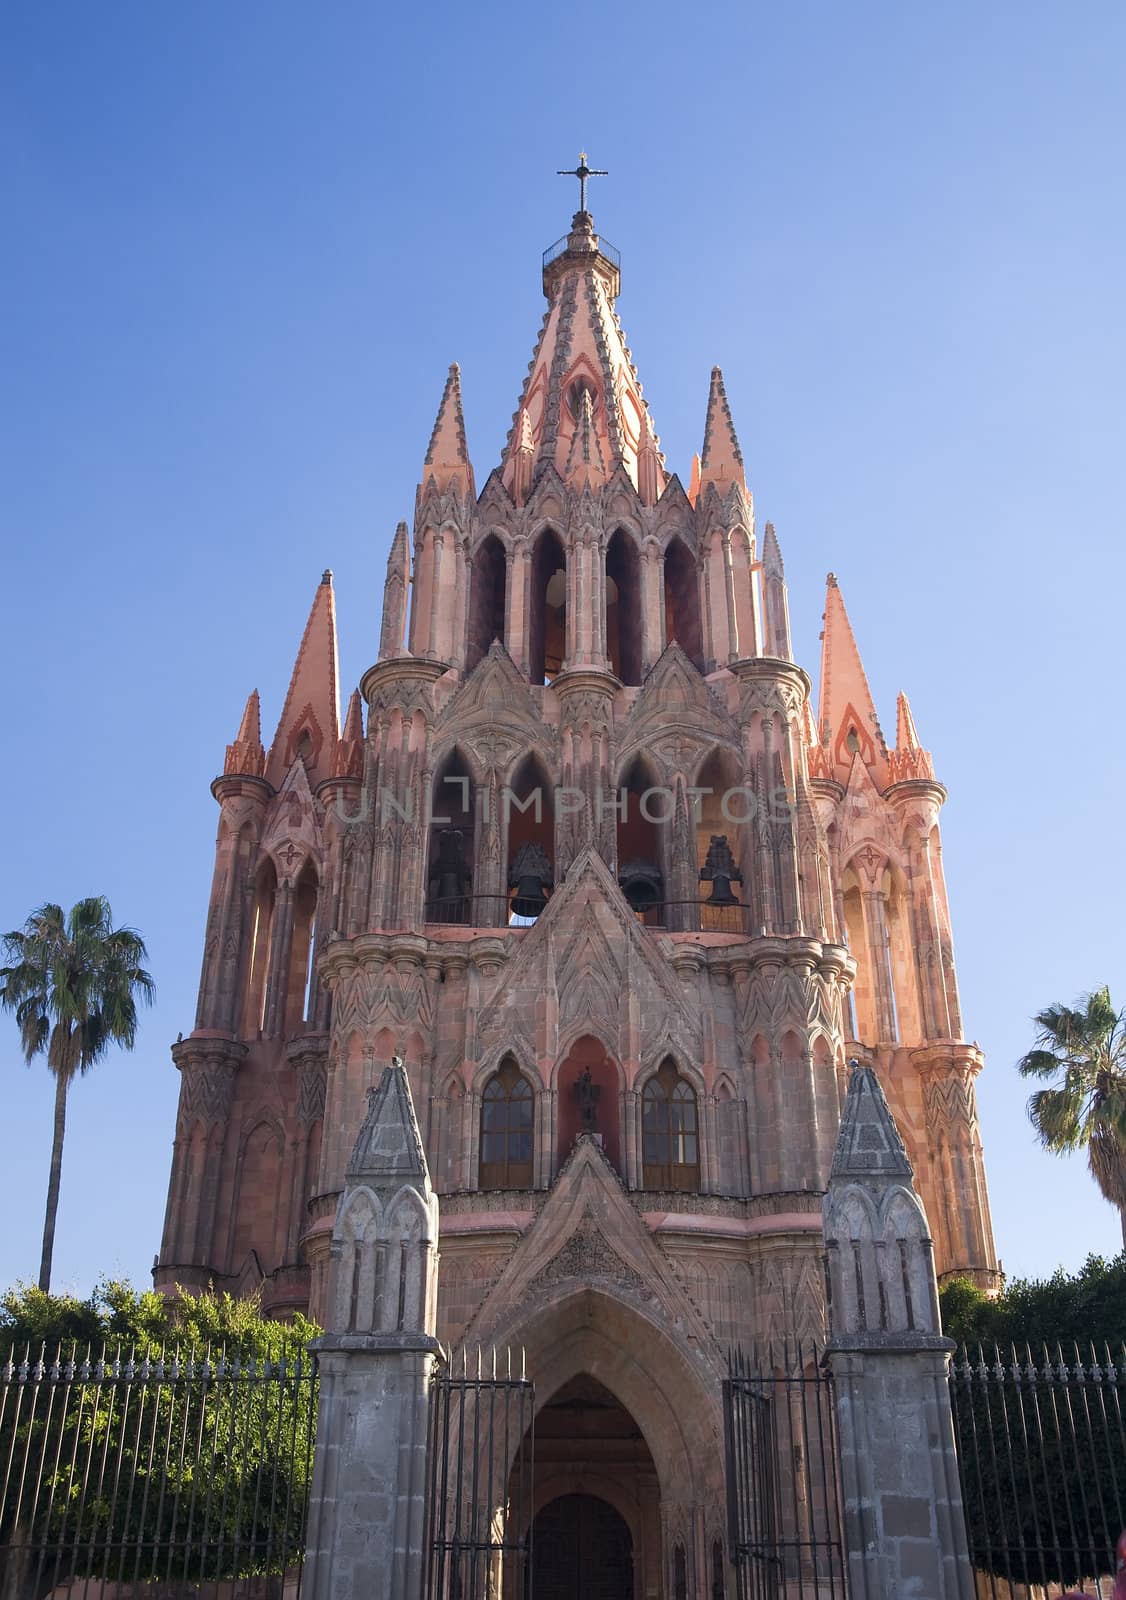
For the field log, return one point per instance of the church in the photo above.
(584, 854)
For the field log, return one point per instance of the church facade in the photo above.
(583, 854)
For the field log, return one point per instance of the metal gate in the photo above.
(783, 1495)
(480, 1480)
(1042, 1454)
(183, 1470)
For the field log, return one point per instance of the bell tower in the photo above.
(587, 862)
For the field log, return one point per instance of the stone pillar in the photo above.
(368, 1503)
(905, 1531)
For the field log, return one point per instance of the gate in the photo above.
(480, 1491)
(130, 1471)
(783, 1497)
(1041, 1441)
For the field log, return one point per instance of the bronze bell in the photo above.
(642, 885)
(721, 871)
(530, 875)
(451, 875)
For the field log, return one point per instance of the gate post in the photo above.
(904, 1526)
(368, 1500)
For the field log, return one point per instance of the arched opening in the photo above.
(265, 897)
(547, 632)
(588, 1099)
(644, 811)
(623, 607)
(529, 809)
(670, 1132)
(582, 1549)
(722, 807)
(449, 888)
(488, 595)
(507, 1110)
(682, 602)
(300, 987)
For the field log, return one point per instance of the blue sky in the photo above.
(244, 243)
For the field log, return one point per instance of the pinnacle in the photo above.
(312, 702)
(586, 447)
(846, 710)
(447, 456)
(906, 737)
(250, 728)
(388, 1145)
(869, 1146)
(354, 721)
(721, 460)
(772, 551)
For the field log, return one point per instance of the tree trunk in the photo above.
(62, 1084)
(1122, 1219)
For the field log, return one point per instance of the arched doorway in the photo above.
(582, 1550)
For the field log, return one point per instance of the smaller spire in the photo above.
(246, 757)
(522, 453)
(395, 595)
(694, 480)
(721, 461)
(447, 459)
(846, 710)
(651, 478)
(309, 725)
(389, 1146)
(348, 761)
(908, 760)
(772, 552)
(585, 461)
(868, 1146)
(776, 605)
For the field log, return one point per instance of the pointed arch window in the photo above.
(670, 1132)
(506, 1130)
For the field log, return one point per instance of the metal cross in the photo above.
(582, 172)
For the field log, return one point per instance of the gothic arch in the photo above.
(585, 1028)
(634, 1353)
(669, 1049)
(521, 1053)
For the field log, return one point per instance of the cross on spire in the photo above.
(582, 172)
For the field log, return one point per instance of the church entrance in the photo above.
(597, 1528)
(582, 1551)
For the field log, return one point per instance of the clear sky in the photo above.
(243, 243)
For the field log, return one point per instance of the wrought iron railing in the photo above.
(1042, 1453)
(480, 1491)
(667, 916)
(132, 1469)
(783, 1493)
(561, 246)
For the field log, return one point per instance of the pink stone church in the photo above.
(585, 854)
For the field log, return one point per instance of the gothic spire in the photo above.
(309, 725)
(908, 759)
(388, 1146)
(395, 595)
(776, 606)
(246, 756)
(846, 710)
(447, 459)
(721, 460)
(581, 351)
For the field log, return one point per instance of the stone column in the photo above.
(368, 1503)
(905, 1531)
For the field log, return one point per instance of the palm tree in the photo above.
(1085, 1050)
(72, 982)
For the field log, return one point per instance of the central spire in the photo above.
(582, 411)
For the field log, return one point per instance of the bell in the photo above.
(720, 870)
(721, 894)
(530, 874)
(641, 884)
(530, 899)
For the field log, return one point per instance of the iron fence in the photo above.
(481, 1480)
(1042, 1454)
(783, 1494)
(177, 1471)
